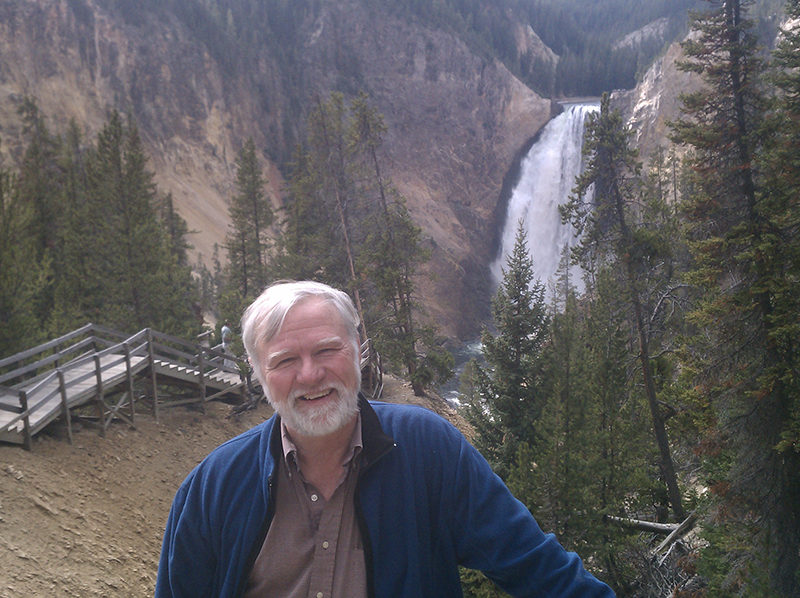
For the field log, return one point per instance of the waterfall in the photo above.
(547, 176)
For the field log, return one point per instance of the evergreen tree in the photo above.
(389, 258)
(346, 224)
(23, 275)
(181, 307)
(508, 401)
(132, 276)
(321, 237)
(79, 290)
(745, 243)
(40, 174)
(251, 216)
(309, 246)
(331, 157)
(593, 443)
(616, 229)
(38, 183)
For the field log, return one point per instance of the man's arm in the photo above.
(186, 565)
(496, 534)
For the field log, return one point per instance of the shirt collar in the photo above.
(290, 449)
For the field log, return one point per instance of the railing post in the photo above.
(201, 366)
(64, 406)
(100, 395)
(27, 437)
(151, 357)
(128, 372)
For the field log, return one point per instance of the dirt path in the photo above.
(87, 519)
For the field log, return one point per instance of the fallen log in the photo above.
(643, 525)
(679, 532)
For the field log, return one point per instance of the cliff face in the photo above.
(80, 62)
(455, 119)
(455, 122)
(653, 103)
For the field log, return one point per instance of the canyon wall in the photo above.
(456, 118)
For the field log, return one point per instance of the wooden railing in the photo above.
(58, 372)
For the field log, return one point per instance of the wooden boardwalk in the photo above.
(96, 368)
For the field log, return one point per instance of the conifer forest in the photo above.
(665, 392)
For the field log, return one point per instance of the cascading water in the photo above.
(547, 176)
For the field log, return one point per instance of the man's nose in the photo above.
(310, 370)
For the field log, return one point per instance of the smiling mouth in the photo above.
(316, 396)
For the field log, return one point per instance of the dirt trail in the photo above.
(87, 519)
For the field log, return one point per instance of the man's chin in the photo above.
(320, 420)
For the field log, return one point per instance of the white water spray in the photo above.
(547, 176)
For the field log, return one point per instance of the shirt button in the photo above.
(325, 545)
(319, 594)
(314, 498)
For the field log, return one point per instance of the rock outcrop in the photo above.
(653, 103)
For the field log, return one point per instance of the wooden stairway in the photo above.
(99, 367)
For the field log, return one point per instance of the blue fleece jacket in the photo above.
(426, 502)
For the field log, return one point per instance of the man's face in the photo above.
(310, 372)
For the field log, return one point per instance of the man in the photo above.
(227, 336)
(337, 496)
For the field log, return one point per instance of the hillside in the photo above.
(87, 519)
(456, 118)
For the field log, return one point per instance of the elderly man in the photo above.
(335, 496)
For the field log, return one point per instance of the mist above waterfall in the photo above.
(547, 176)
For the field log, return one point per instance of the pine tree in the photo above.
(616, 230)
(133, 274)
(508, 401)
(781, 165)
(745, 242)
(320, 235)
(309, 246)
(389, 257)
(592, 443)
(40, 174)
(346, 224)
(331, 158)
(79, 292)
(181, 309)
(251, 216)
(22, 274)
(38, 183)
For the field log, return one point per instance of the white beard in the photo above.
(318, 420)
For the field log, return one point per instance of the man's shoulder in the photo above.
(404, 418)
(404, 411)
(243, 451)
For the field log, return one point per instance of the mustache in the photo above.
(299, 393)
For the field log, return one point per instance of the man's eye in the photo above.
(286, 361)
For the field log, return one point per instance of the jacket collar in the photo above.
(376, 442)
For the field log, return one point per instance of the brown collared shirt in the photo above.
(313, 547)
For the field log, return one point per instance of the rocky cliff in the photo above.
(655, 101)
(455, 118)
